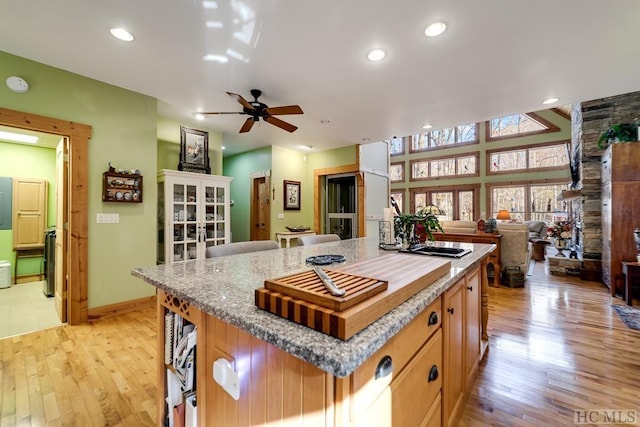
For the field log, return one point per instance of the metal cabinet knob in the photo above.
(384, 368)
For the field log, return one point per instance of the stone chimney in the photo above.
(588, 121)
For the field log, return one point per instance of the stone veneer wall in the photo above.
(588, 121)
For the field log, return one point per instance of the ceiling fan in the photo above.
(256, 110)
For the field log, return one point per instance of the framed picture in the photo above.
(194, 151)
(291, 195)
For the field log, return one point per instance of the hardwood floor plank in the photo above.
(556, 346)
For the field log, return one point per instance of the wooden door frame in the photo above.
(319, 175)
(78, 201)
(266, 174)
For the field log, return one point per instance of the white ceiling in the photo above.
(497, 57)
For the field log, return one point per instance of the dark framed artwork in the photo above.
(291, 195)
(194, 151)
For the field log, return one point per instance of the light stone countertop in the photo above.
(224, 287)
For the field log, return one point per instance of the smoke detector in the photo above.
(17, 84)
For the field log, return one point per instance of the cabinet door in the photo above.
(454, 375)
(214, 215)
(472, 326)
(182, 220)
(29, 212)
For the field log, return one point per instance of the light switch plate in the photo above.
(280, 216)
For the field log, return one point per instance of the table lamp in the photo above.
(503, 215)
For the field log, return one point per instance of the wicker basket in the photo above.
(513, 277)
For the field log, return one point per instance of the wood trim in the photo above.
(455, 158)
(319, 174)
(489, 172)
(457, 144)
(28, 278)
(96, 313)
(77, 197)
(550, 129)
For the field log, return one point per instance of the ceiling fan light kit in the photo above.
(256, 110)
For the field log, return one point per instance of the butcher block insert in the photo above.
(307, 286)
(405, 276)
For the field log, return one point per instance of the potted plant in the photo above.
(621, 132)
(409, 226)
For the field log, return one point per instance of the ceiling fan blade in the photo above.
(280, 123)
(287, 109)
(248, 124)
(241, 100)
(224, 112)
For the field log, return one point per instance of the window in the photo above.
(396, 172)
(448, 137)
(444, 167)
(398, 198)
(548, 157)
(528, 201)
(396, 146)
(516, 125)
(455, 203)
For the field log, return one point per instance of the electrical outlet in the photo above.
(224, 375)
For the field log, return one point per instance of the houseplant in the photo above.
(621, 132)
(409, 226)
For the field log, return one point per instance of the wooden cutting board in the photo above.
(307, 286)
(405, 274)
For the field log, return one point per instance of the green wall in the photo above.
(125, 134)
(24, 161)
(240, 167)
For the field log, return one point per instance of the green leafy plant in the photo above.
(621, 132)
(405, 225)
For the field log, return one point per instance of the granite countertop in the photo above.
(224, 287)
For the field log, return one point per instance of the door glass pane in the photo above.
(343, 226)
(191, 194)
(341, 206)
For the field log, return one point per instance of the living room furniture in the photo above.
(538, 247)
(620, 209)
(193, 214)
(489, 238)
(321, 238)
(631, 271)
(241, 248)
(288, 235)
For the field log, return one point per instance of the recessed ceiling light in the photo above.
(435, 29)
(210, 4)
(366, 139)
(376, 55)
(223, 147)
(198, 116)
(216, 58)
(214, 24)
(122, 34)
(18, 137)
(324, 122)
(550, 101)
(427, 127)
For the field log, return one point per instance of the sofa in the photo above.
(537, 229)
(515, 246)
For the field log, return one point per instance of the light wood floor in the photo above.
(555, 346)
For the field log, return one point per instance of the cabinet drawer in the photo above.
(415, 389)
(365, 387)
(434, 416)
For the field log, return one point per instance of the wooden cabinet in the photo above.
(193, 214)
(29, 213)
(454, 373)
(472, 326)
(620, 210)
(462, 343)
(121, 187)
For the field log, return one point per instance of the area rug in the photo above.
(630, 316)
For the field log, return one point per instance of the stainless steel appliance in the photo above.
(49, 285)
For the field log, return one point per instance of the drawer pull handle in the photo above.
(450, 310)
(433, 374)
(470, 288)
(433, 318)
(384, 368)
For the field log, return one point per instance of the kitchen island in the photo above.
(287, 372)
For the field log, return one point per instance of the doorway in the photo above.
(341, 216)
(260, 207)
(75, 196)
